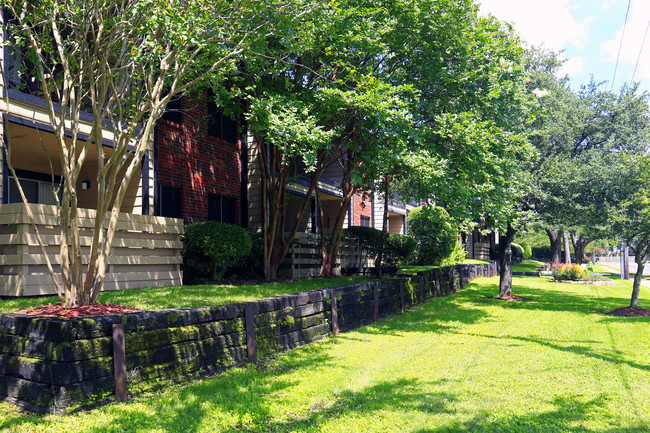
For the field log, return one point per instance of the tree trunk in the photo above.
(579, 245)
(641, 252)
(330, 245)
(384, 231)
(567, 248)
(556, 245)
(505, 248)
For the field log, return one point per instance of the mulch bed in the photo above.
(59, 310)
(513, 298)
(626, 312)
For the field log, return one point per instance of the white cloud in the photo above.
(632, 39)
(572, 67)
(547, 22)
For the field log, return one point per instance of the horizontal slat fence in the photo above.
(304, 258)
(146, 250)
(56, 365)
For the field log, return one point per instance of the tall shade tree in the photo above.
(632, 222)
(574, 178)
(123, 62)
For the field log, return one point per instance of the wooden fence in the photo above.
(146, 250)
(304, 258)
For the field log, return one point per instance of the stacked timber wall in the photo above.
(56, 365)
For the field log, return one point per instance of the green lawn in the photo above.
(527, 266)
(414, 269)
(465, 363)
(192, 296)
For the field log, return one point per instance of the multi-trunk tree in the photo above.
(122, 62)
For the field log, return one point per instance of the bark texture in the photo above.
(567, 248)
(579, 242)
(505, 249)
(556, 245)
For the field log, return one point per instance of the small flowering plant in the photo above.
(568, 271)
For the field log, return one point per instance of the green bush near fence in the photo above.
(210, 247)
(435, 232)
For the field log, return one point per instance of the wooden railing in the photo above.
(146, 250)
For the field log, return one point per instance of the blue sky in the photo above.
(589, 32)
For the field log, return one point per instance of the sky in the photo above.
(589, 32)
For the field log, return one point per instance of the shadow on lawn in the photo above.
(550, 296)
(613, 356)
(568, 417)
(240, 393)
(435, 316)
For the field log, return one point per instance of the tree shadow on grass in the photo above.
(241, 393)
(435, 316)
(612, 356)
(550, 296)
(569, 416)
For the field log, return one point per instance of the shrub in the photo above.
(210, 247)
(528, 251)
(368, 238)
(398, 249)
(457, 255)
(250, 267)
(517, 252)
(568, 271)
(435, 232)
(541, 253)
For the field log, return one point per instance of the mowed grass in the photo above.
(465, 363)
(527, 266)
(192, 296)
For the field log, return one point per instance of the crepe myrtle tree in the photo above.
(123, 62)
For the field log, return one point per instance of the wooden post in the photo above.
(401, 296)
(376, 301)
(436, 275)
(251, 349)
(421, 279)
(119, 362)
(335, 314)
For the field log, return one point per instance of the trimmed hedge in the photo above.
(210, 247)
(435, 232)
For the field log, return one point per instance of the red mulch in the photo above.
(513, 298)
(627, 312)
(59, 310)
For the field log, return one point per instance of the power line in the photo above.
(640, 50)
(621, 44)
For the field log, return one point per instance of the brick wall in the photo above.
(197, 163)
(361, 207)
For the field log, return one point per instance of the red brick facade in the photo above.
(361, 207)
(197, 163)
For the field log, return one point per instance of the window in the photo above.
(365, 221)
(38, 188)
(220, 125)
(174, 111)
(222, 209)
(169, 201)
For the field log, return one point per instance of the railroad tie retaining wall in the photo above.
(56, 365)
